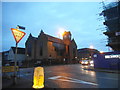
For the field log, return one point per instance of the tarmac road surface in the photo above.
(73, 76)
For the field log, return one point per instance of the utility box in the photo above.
(107, 60)
(38, 79)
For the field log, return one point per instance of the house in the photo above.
(49, 49)
(4, 57)
(20, 57)
(86, 53)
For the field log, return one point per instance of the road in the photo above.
(73, 76)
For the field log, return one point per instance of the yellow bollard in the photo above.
(38, 81)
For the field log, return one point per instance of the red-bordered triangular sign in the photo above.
(18, 35)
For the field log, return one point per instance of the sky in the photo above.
(80, 18)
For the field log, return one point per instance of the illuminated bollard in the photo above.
(38, 79)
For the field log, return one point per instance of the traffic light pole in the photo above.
(15, 66)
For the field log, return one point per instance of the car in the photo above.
(85, 62)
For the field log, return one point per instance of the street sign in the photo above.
(9, 68)
(20, 27)
(18, 35)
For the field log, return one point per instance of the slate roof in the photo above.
(54, 39)
(50, 38)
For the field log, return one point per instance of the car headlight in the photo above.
(82, 62)
(86, 62)
(91, 62)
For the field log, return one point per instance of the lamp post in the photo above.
(27, 60)
(91, 47)
(60, 34)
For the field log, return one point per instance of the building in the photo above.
(4, 57)
(111, 15)
(20, 57)
(0, 57)
(47, 49)
(86, 53)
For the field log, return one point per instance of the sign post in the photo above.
(15, 65)
(18, 35)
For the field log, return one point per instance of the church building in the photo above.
(47, 49)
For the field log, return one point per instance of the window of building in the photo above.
(59, 48)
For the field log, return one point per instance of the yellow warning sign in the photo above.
(9, 68)
(18, 35)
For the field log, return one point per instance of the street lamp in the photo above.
(101, 52)
(91, 46)
(61, 32)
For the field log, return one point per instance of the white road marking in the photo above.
(81, 81)
(55, 77)
(71, 80)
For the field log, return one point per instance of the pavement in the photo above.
(22, 83)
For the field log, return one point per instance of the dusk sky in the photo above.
(80, 18)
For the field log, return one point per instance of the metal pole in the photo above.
(15, 69)
(118, 22)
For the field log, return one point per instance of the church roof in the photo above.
(54, 39)
(50, 38)
(35, 38)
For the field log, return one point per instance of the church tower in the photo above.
(67, 37)
(67, 42)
